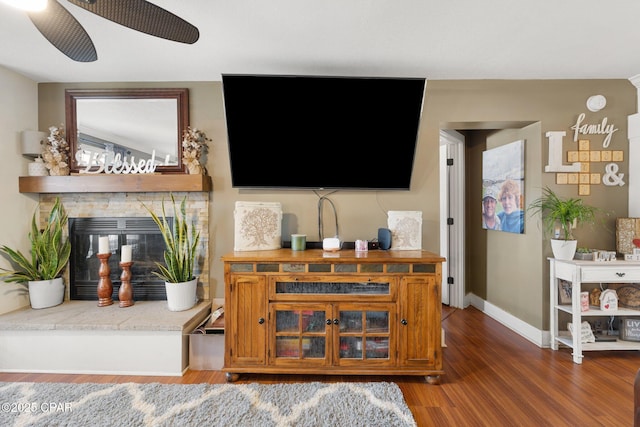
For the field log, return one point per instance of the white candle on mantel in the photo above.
(103, 245)
(125, 255)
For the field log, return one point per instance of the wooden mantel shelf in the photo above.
(109, 183)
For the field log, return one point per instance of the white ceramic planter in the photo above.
(46, 293)
(181, 296)
(564, 249)
(38, 168)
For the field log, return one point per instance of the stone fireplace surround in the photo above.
(88, 205)
(80, 337)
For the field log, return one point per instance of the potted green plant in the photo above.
(560, 216)
(50, 252)
(181, 244)
(585, 254)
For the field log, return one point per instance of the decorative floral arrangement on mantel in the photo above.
(194, 144)
(56, 152)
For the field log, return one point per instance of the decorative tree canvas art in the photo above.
(258, 226)
(406, 230)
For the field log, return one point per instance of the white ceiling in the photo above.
(446, 39)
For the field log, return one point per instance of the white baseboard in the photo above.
(538, 337)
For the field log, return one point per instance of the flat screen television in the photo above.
(322, 132)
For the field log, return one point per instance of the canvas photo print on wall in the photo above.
(503, 188)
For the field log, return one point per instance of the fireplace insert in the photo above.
(147, 249)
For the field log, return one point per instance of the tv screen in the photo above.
(318, 132)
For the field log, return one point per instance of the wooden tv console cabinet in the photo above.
(341, 313)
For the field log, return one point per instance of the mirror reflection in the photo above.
(107, 125)
(129, 125)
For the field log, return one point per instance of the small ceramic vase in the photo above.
(194, 168)
(38, 168)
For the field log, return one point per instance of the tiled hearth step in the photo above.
(80, 337)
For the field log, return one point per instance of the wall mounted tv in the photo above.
(322, 132)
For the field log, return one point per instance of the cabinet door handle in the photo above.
(336, 321)
(620, 274)
(261, 320)
(404, 321)
(328, 321)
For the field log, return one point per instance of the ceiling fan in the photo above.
(62, 29)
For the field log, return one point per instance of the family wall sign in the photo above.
(583, 168)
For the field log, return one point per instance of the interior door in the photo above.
(452, 224)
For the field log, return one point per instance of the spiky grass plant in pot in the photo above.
(42, 271)
(181, 245)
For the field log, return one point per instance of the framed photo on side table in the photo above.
(564, 292)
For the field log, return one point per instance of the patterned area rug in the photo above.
(129, 404)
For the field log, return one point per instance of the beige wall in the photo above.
(520, 291)
(511, 271)
(18, 111)
(360, 214)
(550, 105)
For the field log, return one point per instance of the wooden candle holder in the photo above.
(105, 287)
(125, 293)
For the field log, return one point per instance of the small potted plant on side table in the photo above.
(50, 253)
(560, 216)
(584, 254)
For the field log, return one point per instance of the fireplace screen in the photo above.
(147, 249)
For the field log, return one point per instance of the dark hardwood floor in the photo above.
(493, 377)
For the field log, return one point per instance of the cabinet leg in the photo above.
(231, 377)
(433, 379)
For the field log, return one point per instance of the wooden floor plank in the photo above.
(493, 377)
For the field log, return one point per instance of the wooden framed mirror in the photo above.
(130, 122)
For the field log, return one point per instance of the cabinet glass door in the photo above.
(364, 333)
(300, 332)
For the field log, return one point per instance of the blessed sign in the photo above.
(119, 165)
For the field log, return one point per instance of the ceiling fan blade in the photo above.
(143, 16)
(64, 32)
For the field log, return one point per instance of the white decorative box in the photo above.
(258, 226)
(406, 230)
